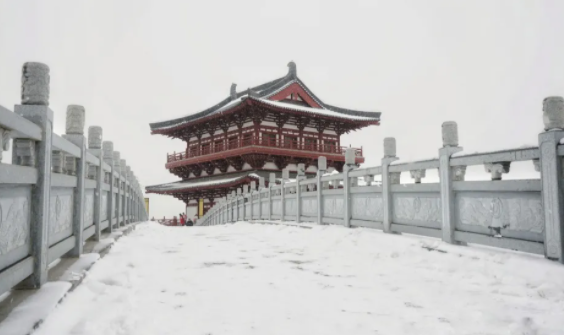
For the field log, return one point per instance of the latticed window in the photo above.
(205, 149)
(290, 142)
(233, 142)
(269, 139)
(218, 146)
(330, 146)
(248, 139)
(311, 144)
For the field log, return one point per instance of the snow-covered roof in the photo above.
(200, 183)
(263, 93)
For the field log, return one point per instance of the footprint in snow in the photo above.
(411, 305)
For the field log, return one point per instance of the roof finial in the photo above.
(233, 91)
(292, 69)
(252, 93)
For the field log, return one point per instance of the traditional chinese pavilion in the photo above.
(251, 133)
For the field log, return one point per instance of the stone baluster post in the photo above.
(271, 183)
(299, 177)
(35, 108)
(77, 166)
(117, 181)
(252, 192)
(262, 186)
(108, 153)
(389, 157)
(4, 141)
(244, 191)
(95, 147)
(122, 165)
(321, 168)
(126, 209)
(552, 177)
(236, 209)
(285, 177)
(349, 165)
(450, 146)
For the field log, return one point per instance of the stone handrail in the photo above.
(524, 215)
(59, 191)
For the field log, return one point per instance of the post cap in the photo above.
(35, 84)
(553, 112)
(301, 169)
(95, 137)
(286, 174)
(75, 120)
(322, 163)
(450, 134)
(349, 156)
(262, 183)
(389, 147)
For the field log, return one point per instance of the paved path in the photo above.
(269, 279)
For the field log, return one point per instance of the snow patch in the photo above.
(33, 310)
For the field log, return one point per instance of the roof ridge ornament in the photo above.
(233, 91)
(292, 70)
(252, 93)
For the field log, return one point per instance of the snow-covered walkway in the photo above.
(271, 279)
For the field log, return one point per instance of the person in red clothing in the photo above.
(182, 220)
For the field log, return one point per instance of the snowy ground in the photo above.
(271, 279)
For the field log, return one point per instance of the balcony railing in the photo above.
(212, 148)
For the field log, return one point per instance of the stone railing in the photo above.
(524, 215)
(59, 191)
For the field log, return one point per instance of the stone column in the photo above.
(349, 165)
(551, 175)
(127, 206)
(35, 108)
(450, 146)
(244, 191)
(108, 154)
(389, 157)
(75, 134)
(299, 177)
(122, 166)
(261, 188)
(321, 169)
(271, 182)
(95, 147)
(117, 187)
(252, 187)
(285, 177)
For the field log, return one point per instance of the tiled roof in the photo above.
(200, 183)
(262, 93)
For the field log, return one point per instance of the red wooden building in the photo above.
(251, 133)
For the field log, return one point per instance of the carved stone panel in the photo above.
(256, 209)
(88, 208)
(104, 206)
(14, 222)
(366, 206)
(420, 209)
(60, 214)
(264, 208)
(514, 214)
(290, 207)
(333, 206)
(240, 216)
(309, 206)
(276, 207)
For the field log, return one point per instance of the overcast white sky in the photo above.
(485, 64)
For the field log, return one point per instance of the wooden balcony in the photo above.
(250, 144)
